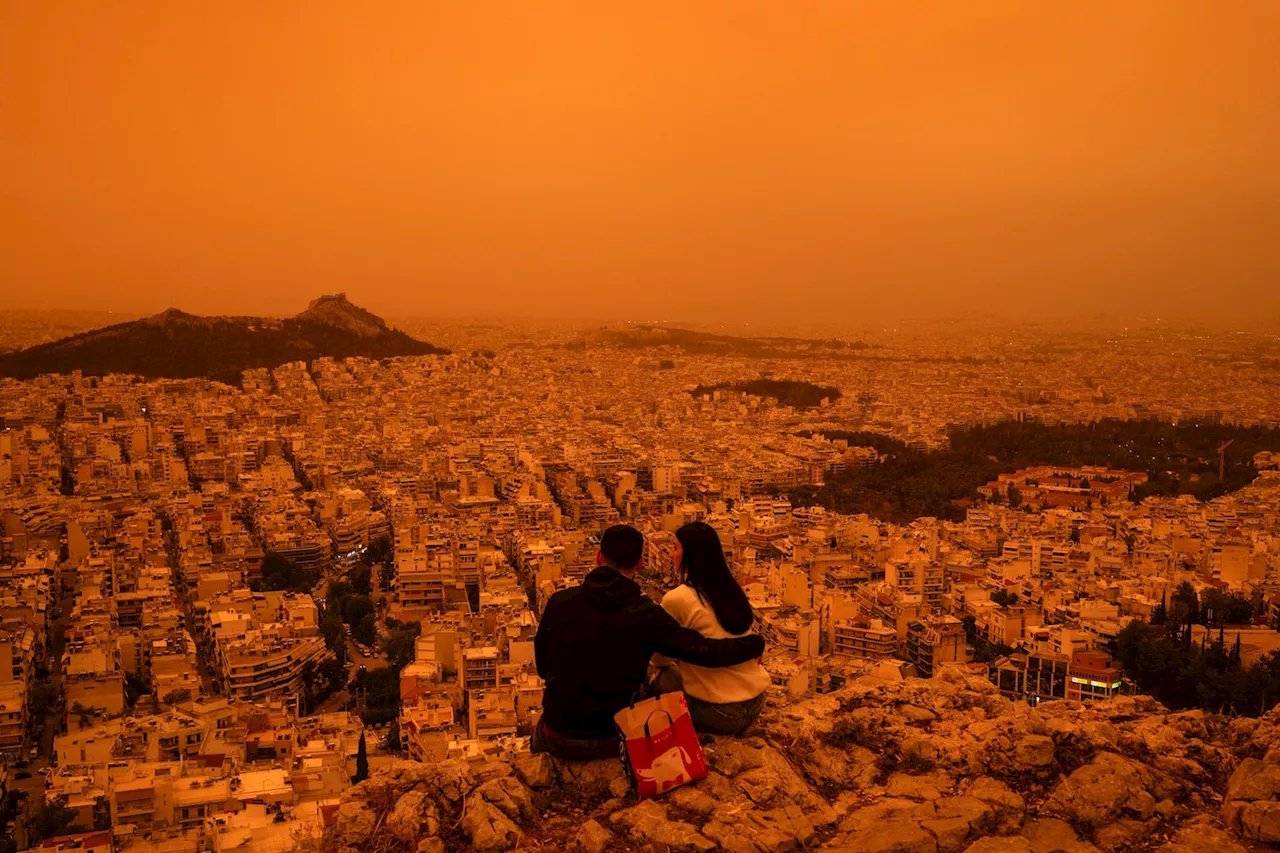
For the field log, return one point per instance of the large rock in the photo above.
(916, 714)
(1121, 834)
(415, 815)
(537, 771)
(1106, 789)
(1009, 805)
(928, 787)
(888, 837)
(896, 825)
(602, 776)
(647, 823)
(492, 811)
(1250, 805)
(1201, 838)
(1034, 751)
(1261, 821)
(1050, 835)
(1000, 844)
(489, 828)
(1254, 780)
(593, 838)
(354, 822)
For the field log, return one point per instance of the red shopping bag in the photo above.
(660, 747)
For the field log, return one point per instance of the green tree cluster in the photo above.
(1177, 458)
(50, 819)
(377, 695)
(1163, 661)
(280, 573)
(399, 646)
(345, 606)
(788, 392)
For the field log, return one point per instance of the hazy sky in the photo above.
(735, 160)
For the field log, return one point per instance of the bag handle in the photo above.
(670, 719)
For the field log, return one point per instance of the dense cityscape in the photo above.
(222, 604)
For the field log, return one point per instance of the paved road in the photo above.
(359, 659)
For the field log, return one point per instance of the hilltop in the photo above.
(178, 345)
(913, 766)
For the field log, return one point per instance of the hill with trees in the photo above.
(177, 345)
(709, 343)
(788, 392)
(1177, 458)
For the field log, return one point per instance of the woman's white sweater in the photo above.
(736, 683)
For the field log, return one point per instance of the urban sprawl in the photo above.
(219, 605)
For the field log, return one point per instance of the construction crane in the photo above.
(1222, 460)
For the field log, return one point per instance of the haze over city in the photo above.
(847, 427)
(714, 161)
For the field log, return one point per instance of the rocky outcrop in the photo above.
(939, 766)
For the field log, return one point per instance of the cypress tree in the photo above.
(362, 761)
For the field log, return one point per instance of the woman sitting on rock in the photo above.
(728, 699)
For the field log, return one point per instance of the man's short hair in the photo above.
(622, 547)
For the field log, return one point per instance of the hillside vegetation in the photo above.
(1178, 458)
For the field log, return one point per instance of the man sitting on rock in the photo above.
(593, 647)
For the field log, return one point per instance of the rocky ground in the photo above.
(937, 766)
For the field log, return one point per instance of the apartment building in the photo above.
(265, 663)
(864, 638)
(938, 641)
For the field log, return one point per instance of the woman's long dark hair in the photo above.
(707, 572)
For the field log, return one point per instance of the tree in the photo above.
(1015, 496)
(334, 674)
(380, 550)
(392, 740)
(377, 692)
(360, 577)
(970, 624)
(310, 675)
(83, 714)
(177, 697)
(331, 630)
(51, 818)
(355, 608)
(1159, 615)
(399, 649)
(1240, 610)
(366, 630)
(386, 576)
(336, 593)
(1005, 597)
(362, 761)
(44, 699)
(1185, 605)
(281, 573)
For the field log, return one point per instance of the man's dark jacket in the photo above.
(593, 647)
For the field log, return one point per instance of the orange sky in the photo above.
(734, 160)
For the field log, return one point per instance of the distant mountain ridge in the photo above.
(178, 345)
